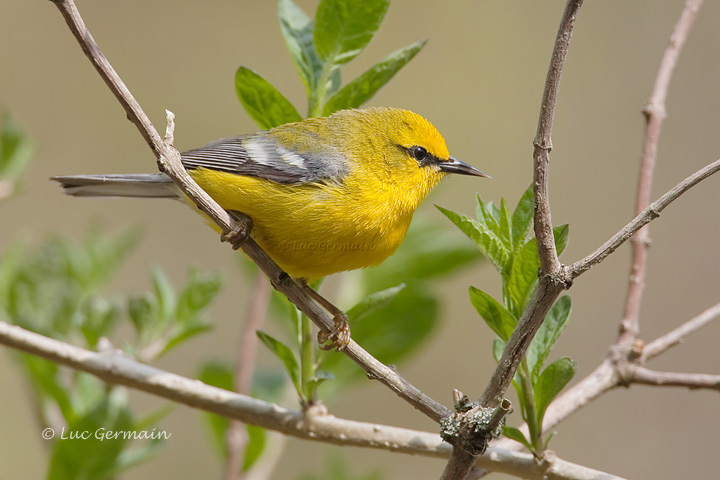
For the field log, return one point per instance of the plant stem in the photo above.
(307, 361)
(529, 407)
(317, 99)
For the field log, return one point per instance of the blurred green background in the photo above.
(479, 80)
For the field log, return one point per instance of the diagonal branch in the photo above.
(672, 338)
(169, 162)
(650, 213)
(115, 367)
(655, 115)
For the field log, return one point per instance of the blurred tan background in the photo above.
(479, 80)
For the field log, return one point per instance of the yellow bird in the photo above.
(325, 194)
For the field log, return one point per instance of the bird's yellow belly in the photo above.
(310, 231)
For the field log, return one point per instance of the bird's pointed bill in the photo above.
(453, 165)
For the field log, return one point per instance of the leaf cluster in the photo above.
(55, 290)
(319, 47)
(502, 238)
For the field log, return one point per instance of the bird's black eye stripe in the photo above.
(418, 153)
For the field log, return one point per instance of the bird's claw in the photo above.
(237, 236)
(339, 336)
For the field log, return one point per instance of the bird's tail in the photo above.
(142, 185)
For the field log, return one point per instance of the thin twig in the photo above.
(647, 376)
(650, 213)
(114, 367)
(672, 338)
(655, 115)
(244, 368)
(170, 162)
(606, 376)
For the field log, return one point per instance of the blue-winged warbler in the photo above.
(324, 194)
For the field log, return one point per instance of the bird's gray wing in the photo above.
(260, 156)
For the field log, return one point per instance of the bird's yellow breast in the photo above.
(314, 230)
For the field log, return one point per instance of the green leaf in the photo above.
(183, 333)
(428, 251)
(391, 334)
(263, 102)
(547, 334)
(488, 215)
(218, 375)
(255, 446)
(200, 289)
(495, 315)
(485, 239)
(93, 457)
(523, 276)
(344, 28)
(373, 302)
(505, 230)
(143, 311)
(498, 348)
(522, 218)
(15, 148)
(550, 382)
(286, 355)
(362, 88)
(165, 295)
(514, 434)
(297, 30)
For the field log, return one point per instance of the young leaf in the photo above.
(548, 334)
(165, 295)
(286, 355)
(391, 333)
(550, 382)
(218, 375)
(485, 213)
(93, 456)
(495, 315)
(263, 102)
(514, 434)
(199, 291)
(506, 233)
(428, 251)
(15, 148)
(343, 29)
(522, 218)
(498, 348)
(254, 447)
(297, 29)
(486, 240)
(362, 88)
(373, 302)
(523, 276)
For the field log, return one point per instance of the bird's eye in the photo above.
(418, 153)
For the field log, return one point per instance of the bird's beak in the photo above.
(453, 165)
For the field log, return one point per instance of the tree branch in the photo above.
(647, 376)
(650, 213)
(607, 375)
(672, 338)
(113, 366)
(655, 115)
(169, 161)
(549, 263)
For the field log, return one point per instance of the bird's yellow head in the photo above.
(400, 149)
